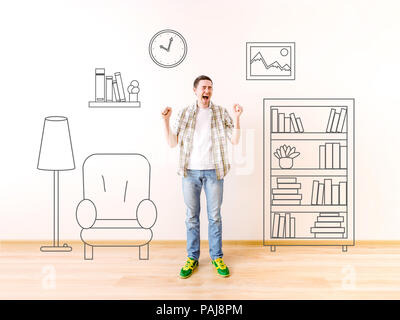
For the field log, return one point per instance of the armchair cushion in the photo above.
(116, 237)
(116, 224)
(86, 214)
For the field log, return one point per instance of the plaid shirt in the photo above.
(221, 129)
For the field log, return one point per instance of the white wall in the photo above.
(49, 50)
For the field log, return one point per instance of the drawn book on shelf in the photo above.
(329, 225)
(109, 88)
(332, 156)
(120, 86)
(100, 84)
(283, 226)
(282, 123)
(116, 91)
(329, 194)
(336, 121)
(287, 191)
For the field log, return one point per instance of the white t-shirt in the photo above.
(201, 157)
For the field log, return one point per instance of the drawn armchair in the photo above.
(116, 210)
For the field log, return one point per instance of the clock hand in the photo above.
(170, 41)
(169, 45)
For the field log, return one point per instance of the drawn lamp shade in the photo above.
(56, 155)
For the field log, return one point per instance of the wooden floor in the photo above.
(364, 272)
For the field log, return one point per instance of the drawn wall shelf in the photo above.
(110, 91)
(95, 104)
(311, 200)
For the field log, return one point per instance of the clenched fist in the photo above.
(166, 113)
(237, 110)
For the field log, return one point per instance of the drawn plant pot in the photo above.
(285, 154)
(285, 163)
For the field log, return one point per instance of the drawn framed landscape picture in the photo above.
(270, 61)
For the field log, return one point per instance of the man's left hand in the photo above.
(237, 110)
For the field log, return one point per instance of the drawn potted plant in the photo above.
(285, 154)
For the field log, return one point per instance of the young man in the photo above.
(202, 130)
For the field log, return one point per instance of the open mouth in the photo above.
(205, 97)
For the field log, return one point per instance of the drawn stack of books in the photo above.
(332, 156)
(287, 192)
(329, 225)
(283, 226)
(336, 120)
(282, 123)
(329, 194)
(110, 91)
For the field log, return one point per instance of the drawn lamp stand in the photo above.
(56, 155)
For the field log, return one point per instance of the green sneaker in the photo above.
(220, 267)
(189, 267)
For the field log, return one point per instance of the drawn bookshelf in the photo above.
(111, 93)
(308, 172)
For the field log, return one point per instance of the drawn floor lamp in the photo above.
(56, 155)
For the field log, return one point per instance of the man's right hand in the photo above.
(166, 113)
(172, 139)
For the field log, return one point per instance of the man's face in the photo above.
(204, 91)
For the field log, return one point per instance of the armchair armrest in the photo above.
(86, 213)
(146, 213)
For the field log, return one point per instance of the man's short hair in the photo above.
(199, 78)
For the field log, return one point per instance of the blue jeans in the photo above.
(192, 185)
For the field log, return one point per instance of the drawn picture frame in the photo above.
(270, 61)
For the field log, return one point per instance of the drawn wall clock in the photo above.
(168, 48)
